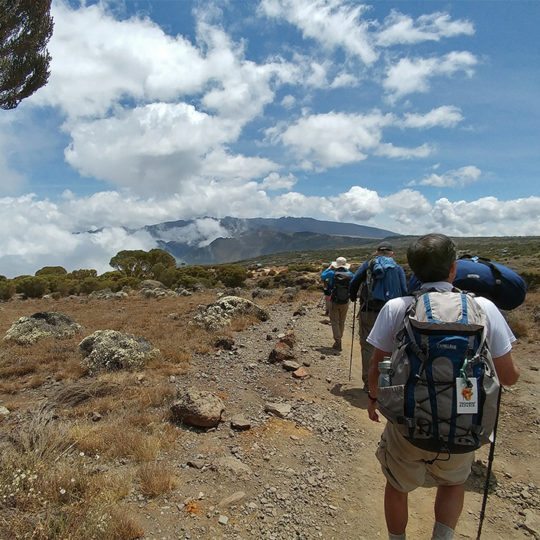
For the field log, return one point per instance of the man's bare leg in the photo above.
(448, 507)
(396, 510)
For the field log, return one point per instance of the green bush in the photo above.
(31, 287)
(7, 289)
(91, 284)
(52, 271)
(83, 273)
(231, 275)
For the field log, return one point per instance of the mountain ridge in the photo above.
(209, 240)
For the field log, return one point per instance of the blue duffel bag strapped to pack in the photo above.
(483, 277)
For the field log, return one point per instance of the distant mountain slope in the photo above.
(236, 226)
(253, 244)
(211, 240)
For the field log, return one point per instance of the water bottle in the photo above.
(385, 372)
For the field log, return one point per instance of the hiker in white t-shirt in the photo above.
(433, 260)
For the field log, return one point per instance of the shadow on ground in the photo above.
(327, 351)
(355, 396)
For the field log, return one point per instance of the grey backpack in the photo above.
(443, 386)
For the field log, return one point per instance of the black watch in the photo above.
(371, 398)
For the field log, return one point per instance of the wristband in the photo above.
(371, 398)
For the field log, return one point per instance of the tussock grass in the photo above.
(116, 440)
(42, 436)
(156, 479)
(80, 391)
(123, 525)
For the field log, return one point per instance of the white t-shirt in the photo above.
(390, 322)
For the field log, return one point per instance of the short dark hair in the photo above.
(431, 256)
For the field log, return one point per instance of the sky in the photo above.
(414, 117)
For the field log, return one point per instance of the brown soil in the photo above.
(313, 473)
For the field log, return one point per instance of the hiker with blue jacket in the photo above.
(337, 278)
(445, 354)
(377, 280)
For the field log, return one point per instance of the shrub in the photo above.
(91, 284)
(231, 275)
(31, 287)
(83, 273)
(7, 289)
(52, 271)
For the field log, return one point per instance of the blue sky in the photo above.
(410, 116)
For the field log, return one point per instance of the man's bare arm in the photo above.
(507, 371)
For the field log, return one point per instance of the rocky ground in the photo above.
(293, 457)
(311, 473)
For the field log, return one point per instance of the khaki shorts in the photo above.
(404, 465)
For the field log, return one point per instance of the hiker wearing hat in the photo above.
(403, 453)
(338, 277)
(378, 279)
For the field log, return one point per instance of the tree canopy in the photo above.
(139, 263)
(25, 29)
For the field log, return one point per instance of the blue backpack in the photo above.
(483, 277)
(383, 279)
(442, 392)
(500, 284)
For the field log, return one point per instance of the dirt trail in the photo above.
(314, 473)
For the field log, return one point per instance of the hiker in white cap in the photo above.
(338, 276)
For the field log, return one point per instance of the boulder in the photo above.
(157, 292)
(28, 330)
(219, 314)
(111, 350)
(281, 353)
(198, 408)
(151, 284)
(107, 294)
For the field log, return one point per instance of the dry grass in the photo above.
(156, 479)
(48, 490)
(123, 525)
(42, 436)
(116, 440)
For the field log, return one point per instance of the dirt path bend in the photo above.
(313, 474)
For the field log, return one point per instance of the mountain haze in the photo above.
(210, 240)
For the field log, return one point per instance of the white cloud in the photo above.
(403, 29)
(200, 232)
(333, 23)
(334, 139)
(445, 116)
(343, 80)
(39, 233)
(413, 75)
(398, 152)
(454, 178)
(275, 181)
(288, 101)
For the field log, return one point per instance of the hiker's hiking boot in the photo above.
(337, 345)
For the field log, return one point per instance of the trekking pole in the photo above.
(490, 464)
(352, 342)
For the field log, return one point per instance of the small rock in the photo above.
(4, 411)
(300, 373)
(240, 422)
(290, 365)
(223, 520)
(232, 499)
(196, 463)
(278, 409)
(96, 417)
(532, 522)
